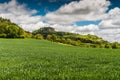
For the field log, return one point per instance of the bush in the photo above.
(39, 36)
(29, 35)
(115, 45)
(107, 45)
(3, 35)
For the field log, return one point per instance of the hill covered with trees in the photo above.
(10, 30)
(50, 34)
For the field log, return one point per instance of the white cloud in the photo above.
(65, 28)
(31, 27)
(110, 24)
(112, 20)
(79, 10)
(109, 27)
(89, 29)
(109, 31)
(20, 14)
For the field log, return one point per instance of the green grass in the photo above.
(30, 59)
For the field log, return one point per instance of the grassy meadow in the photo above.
(31, 59)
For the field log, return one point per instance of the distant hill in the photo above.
(10, 30)
(50, 34)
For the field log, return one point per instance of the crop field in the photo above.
(30, 59)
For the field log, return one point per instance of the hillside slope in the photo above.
(50, 34)
(10, 30)
(32, 59)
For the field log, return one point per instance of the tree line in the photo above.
(12, 30)
(50, 34)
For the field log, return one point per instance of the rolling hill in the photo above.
(31, 59)
(12, 30)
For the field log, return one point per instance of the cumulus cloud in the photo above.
(20, 14)
(112, 20)
(110, 24)
(78, 11)
(89, 29)
(110, 27)
(61, 19)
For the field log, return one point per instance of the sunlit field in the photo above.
(31, 59)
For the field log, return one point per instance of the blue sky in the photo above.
(97, 17)
(51, 5)
(45, 6)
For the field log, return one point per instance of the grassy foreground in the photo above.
(29, 59)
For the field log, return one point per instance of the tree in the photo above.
(52, 37)
(38, 36)
(102, 45)
(21, 33)
(107, 45)
(10, 30)
(115, 45)
(29, 35)
(62, 40)
(49, 37)
(68, 41)
(44, 31)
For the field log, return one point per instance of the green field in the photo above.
(30, 59)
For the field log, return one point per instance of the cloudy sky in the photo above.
(97, 17)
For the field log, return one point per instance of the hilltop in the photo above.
(50, 34)
(12, 30)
